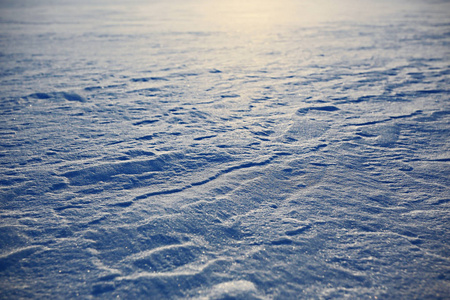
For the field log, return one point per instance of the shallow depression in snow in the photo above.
(224, 149)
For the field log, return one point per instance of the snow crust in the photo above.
(224, 150)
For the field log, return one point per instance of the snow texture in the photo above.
(224, 149)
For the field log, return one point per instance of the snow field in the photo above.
(161, 151)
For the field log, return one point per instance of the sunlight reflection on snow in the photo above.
(254, 15)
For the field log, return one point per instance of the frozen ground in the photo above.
(224, 149)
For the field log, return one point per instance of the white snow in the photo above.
(224, 149)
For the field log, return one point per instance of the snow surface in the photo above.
(224, 149)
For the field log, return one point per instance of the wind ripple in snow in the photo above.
(227, 151)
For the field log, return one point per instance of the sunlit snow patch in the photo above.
(232, 289)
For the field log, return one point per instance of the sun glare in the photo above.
(243, 15)
(248, 15)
